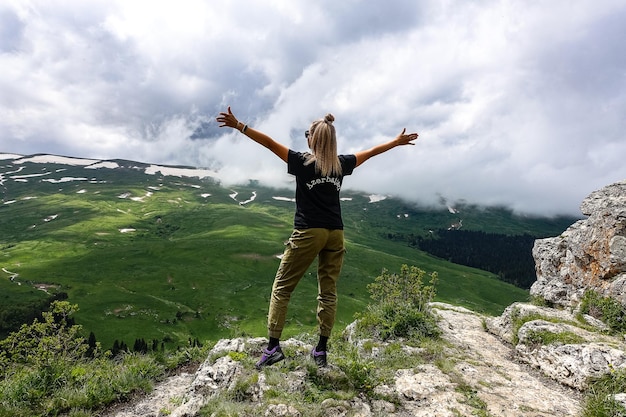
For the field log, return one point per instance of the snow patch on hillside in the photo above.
(64, 179)
(103, 164)
(54, 159)
(23, 177)
(375, 198)
(293, 200)
(148, 194)
(179, 172)
(97, 164)
(251, 199)
(242, 203)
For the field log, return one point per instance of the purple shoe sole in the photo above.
(270, 357)
(319, 358)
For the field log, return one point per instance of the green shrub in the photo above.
(599, 401)
(238, 356)
(359, 371)
(86, 384)
(385, 321)
(45, 369)
(550, 338)
(402, 306)
(472, 399)
(407, 287)
(44, 342)
(518, 320)
(179, 357)
(242, 389)
(607, 309)
(540, 301)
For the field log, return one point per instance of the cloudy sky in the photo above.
(521, 103)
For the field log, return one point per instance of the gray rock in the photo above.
(573, 365)
(282, 410)
(590, 254)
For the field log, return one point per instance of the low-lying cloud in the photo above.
(516, 103)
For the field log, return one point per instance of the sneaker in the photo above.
(270, 357)
(319, 358)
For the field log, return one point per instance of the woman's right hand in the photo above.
(403, 139)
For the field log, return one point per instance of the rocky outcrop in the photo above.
(568, 348)
(589, 254)
(563, 344)
(479, 377)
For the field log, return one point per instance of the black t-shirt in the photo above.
(317, 197)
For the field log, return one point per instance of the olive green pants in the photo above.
(303, 247)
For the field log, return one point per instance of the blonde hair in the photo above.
(323, 144)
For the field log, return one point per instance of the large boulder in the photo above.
(590, 254)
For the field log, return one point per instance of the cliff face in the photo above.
(589, 254)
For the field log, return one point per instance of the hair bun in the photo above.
(329, 118)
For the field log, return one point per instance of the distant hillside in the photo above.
(168, 254)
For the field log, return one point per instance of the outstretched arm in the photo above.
(400, 140)
(229, 120)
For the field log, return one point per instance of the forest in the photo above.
(509, 257)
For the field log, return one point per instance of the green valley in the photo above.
(173, 257)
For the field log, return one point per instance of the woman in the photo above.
(318, 226)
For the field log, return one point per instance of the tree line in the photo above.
(141, 346)
(509, 257)
(13, 317)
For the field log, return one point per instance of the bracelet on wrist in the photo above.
(244, 128)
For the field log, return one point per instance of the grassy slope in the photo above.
(198, 266)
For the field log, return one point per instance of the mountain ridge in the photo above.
(203, 172)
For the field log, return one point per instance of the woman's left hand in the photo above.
(228, 119)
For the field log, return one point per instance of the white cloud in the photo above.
(517, 103)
